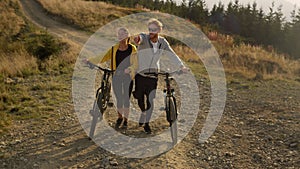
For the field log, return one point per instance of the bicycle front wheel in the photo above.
(96, 112)
(172, 118)
(101, 102)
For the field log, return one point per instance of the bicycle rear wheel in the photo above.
(172, 118)
(96, 112)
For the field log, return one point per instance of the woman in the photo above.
(124, 62)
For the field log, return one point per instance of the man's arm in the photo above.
(139, 39)
(170, 52)
(174, 57)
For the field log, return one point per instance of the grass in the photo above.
(88, 15)
(18, 63)
(37, 97)
(247, 60)
(30, 87)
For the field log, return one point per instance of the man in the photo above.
(150, 49)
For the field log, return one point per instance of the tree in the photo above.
(217, 15)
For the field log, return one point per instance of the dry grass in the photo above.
(186, 53)
(86, 14)
(23, 96)
(18, 63)
(244, 59)
(247, 60)
(10, 22)
(14, 59)
(253, 60)
(65, 60)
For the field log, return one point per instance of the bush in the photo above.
(42, 45)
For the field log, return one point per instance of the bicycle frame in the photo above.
(168, 91)
(104, 82)
(170, 103)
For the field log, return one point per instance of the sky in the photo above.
(287, 5)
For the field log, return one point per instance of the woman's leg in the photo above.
(118, 93)
(126, 92)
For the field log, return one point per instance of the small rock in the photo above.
(257, 157)
(16, 142)
(293, 145)
(62, 145)
(114, 162)
(181, 120)
(35, 165)
(237, 135)
(80, 166)
(229, 154)
(23, 159)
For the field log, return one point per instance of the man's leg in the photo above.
(150, 94)
(141, 103)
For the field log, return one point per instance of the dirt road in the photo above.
(36, 14)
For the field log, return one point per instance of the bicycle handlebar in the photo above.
(164, 73)
(92, 66)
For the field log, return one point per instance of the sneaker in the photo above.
(125, 124)
(118, 122)
(147, 128)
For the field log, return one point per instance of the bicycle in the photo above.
(170, 101)
(102, 97)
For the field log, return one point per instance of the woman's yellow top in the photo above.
(111, 56)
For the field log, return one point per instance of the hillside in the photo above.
(245, 59)
(259, 127)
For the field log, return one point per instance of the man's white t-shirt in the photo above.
(155, 47)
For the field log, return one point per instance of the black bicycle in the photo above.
(102, 97)
(170, 101)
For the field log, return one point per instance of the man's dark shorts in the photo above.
(144, 86)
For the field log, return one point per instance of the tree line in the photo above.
(247, 23)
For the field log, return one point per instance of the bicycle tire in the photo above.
(101, 102)
(97, 112)
(107, 94)
(94, 112)
(172, 117)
